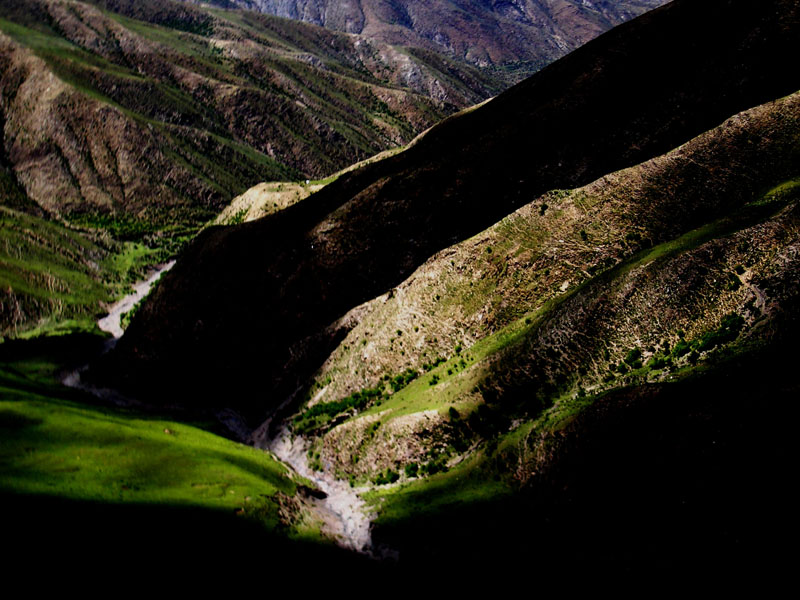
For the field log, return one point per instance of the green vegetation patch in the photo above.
(53, 444)
(53, 275)
(320, 414)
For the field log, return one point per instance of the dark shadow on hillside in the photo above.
(241, 320)
(681, 480)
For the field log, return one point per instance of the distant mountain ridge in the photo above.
(480, 32)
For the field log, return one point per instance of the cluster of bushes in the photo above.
(437, 465)
(126, 318)
(323, 411)
(398, 382)
(120, 226)
(432, 365)
(386, 476)
(729, 330)
(656, 363)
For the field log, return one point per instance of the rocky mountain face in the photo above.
(363, 235)
(526, 33)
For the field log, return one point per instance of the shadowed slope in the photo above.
(245, 302)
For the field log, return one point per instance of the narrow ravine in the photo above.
(345, 514)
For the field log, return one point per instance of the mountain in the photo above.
(364, 234)
(229, 98)
(139, 121)
(136, 122)
(554, 337)
(519, 37)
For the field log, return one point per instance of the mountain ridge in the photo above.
(675, 98)
(528, 34)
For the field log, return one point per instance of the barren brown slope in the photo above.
(487, 34)
(241, 298)
(162, 112)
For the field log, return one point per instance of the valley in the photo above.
(551, 332)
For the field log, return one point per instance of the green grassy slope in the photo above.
(57, 278)
(93, 478)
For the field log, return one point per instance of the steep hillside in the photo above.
(626, 281)
(184, 108)
(54, 278)
(287, 280)
(523, 35)
(552, 246)
(142, 120)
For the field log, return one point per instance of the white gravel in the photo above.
(349, 517)
(111, 322)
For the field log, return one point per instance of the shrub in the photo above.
(633, 355)
(453, 413)
(633, 237)
(387, 476)
(400, 381)
(681, 348)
